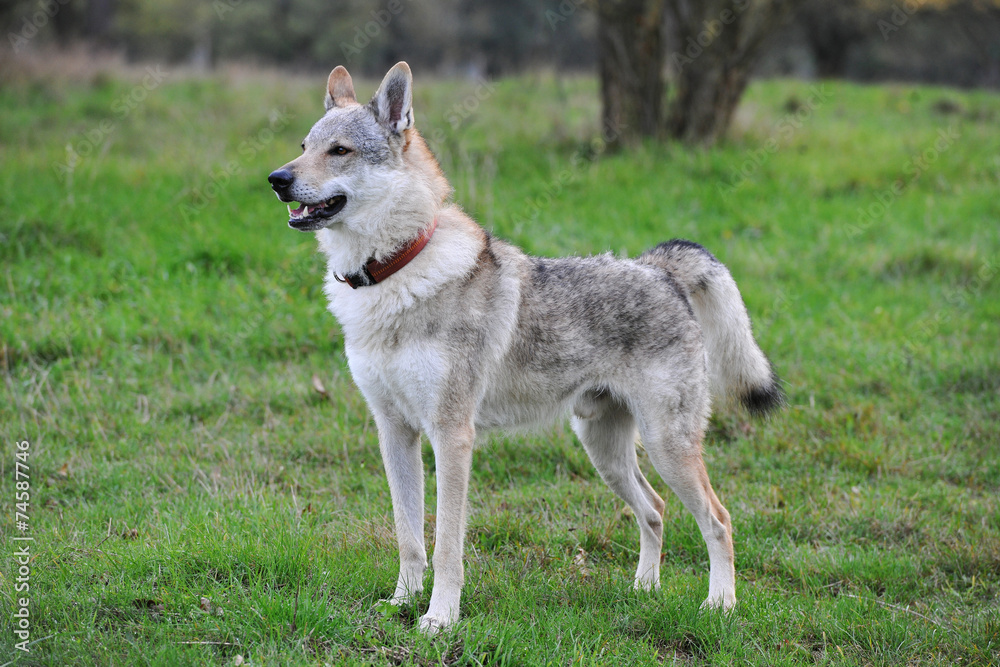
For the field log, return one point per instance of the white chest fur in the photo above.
(390, 361)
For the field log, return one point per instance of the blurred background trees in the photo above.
(668, 68)
(713, 47)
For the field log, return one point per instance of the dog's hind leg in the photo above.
(689, 480)
(400, 446)
(607, 431)
(674, 447)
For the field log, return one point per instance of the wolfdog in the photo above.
(452, 332)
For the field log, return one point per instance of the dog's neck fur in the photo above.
(395, 212)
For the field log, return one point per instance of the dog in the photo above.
(451, 332)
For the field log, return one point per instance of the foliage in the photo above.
(484, 37)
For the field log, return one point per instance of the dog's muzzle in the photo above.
(309, 216)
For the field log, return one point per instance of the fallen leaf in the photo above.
(318, 386)
(206, 606)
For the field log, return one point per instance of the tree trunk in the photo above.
(717, 44)
(630, 55)
(705, 99)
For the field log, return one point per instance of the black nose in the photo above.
(280, 179)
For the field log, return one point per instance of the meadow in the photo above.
(204, 478)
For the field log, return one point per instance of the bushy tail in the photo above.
(737, 366)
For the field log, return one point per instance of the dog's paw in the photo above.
(722, 601)
(646, 585)
(432, 625)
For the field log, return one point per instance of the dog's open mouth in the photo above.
(311, 216)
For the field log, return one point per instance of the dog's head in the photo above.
(352, 158)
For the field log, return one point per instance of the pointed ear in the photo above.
(339, 89)
(392, 103)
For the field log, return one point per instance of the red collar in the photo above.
(375, 272)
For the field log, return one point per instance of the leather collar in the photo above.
(375, 272)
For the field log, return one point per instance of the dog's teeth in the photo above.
(290, 214)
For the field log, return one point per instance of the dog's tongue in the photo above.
(299, 210)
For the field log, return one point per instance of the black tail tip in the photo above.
(763, 400)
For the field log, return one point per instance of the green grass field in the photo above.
(195, 500)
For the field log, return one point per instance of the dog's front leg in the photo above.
(400, 446)
(453, 457)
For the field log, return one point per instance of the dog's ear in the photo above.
(339, 89)
(392, 103)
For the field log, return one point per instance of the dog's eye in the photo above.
(339, 150)
(303, 147)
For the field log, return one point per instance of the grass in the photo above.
(195, 500)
